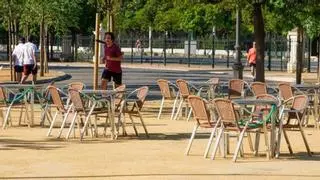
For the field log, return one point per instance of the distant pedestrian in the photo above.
(29, 61)
(112, 59)
(139, 46)
(17, 56)
(252, 59)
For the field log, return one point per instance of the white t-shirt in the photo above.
(29, 52)
(17, 54)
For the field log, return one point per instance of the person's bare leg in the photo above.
(34, 78)
(104, 84)
(19, 76)
(252, 71)
(24, 78)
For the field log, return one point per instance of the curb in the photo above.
(62, 77)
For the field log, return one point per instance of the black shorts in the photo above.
(28, 69)
(18, 69)
(116, 77)
(252, 64)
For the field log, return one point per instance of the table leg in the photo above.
(112, 124)
(32, 108)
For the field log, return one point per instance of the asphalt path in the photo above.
(137, 77)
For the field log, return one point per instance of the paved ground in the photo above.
(26, 153)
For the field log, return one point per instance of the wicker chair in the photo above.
(57, 102)
(236, 88)
(229, 120)
(83, 109)
(297, 111)
(185, 89)
(210, 90)
(259, 88)
(168, 92)
(18, 101)
(201, 114)
(132, 106)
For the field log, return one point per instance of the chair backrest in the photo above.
(214, 80)
(300, 102)
(76, 99)
(266, 108)
(259, 88)
(56, 98)
(120, 95)
(285, 91)
(165, 88)
(183, 88)
(200, 111)
(77, 85)
(235, 88)
(225, 110)
(142, 93)
(3, 98)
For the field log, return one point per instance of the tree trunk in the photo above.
(46, 55)
(51, 34)
(42, 31)
(15, 25)
(299, 54)
(259, 36)
(10, 50)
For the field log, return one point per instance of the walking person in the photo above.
(17, 56)
(29, 61)
(252, 59)
(112, 59)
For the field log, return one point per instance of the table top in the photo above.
(22, 85)
(252, 101)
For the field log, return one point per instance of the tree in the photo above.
(58, 14)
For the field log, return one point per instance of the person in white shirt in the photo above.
(17, 56)
(29, 61)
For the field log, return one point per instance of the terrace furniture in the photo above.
(132, 105)
(297, 112)
(168, 92)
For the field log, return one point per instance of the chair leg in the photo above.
(287, 140)
(64, 121)
(266, 140)
(133, 125)
(52, 123)
(191, 139)
(20, 116)
(72, 125)
(86, 122)
(215, 148)
(303, 136)
(174, 107)
(189, 114)
(160, 110)
(257, 142)
(234, 159)
(143, 125)
(5, 122)
(210, 140)
(179, 109)
(250, 142)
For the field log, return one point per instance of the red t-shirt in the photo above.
(113, 51)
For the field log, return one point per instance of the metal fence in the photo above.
(170, 48)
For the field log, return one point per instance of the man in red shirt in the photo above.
(252, 59)
(112, 59)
